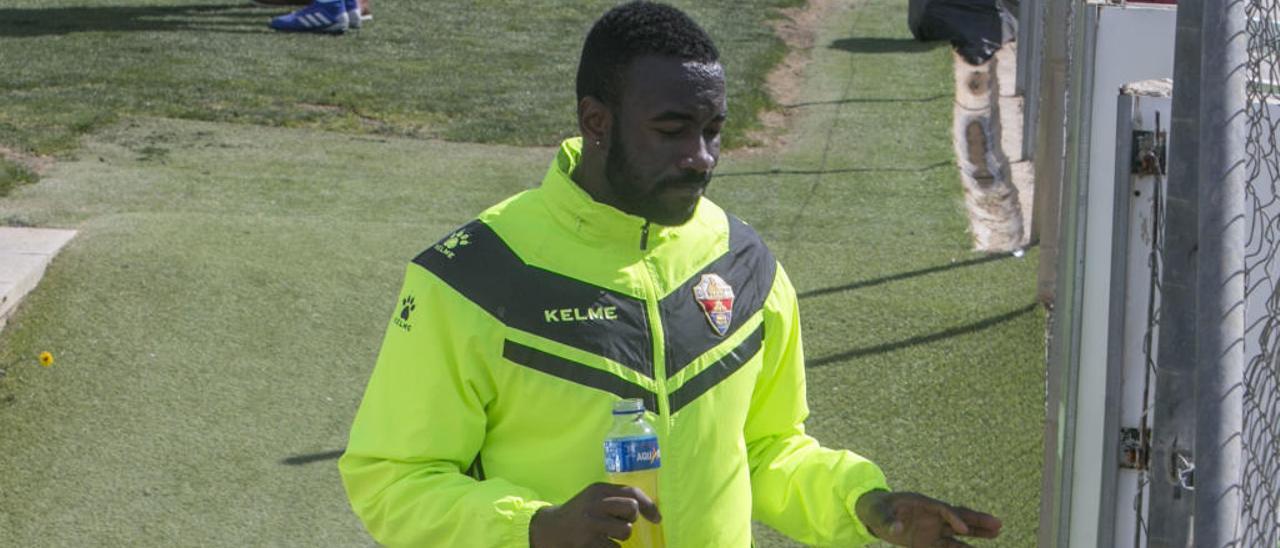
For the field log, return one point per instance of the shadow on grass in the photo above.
(234, 18)
(919, 169)
(928, 99)
(902, 276)
(884, 45)
(299, 460)
(922, 339)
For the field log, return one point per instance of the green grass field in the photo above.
(499, 71)
(245, 220)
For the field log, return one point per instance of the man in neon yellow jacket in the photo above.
(483, 421)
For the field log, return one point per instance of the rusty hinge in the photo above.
(1148, 152)
(1135, 448)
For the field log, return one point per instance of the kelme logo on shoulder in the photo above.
(406, 310)
(716, 297)
(458, 239)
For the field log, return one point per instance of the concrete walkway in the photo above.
(24, 255)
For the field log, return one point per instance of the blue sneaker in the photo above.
(326, 17)
(353, 13)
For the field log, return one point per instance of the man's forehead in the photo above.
(653, 81)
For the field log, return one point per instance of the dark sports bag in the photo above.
(975, 28)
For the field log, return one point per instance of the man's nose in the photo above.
(698, 158)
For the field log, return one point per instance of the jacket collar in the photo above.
(571, 206)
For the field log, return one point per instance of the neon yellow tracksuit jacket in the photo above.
(513, 337)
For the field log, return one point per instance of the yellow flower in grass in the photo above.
(46, 359)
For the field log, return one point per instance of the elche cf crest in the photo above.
(716, 297)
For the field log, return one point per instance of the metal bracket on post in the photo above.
(1148, 152)
(1135, 448)
(1185, 471)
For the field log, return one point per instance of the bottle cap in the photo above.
(628, 406)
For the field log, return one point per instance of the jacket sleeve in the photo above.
(422, 424)
(804, 490)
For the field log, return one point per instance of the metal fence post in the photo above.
(1221, 286)
(1058, 207)
(1174, 409)
(1030, 47)
(1050, 142)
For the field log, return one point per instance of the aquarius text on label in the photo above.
(648, 456)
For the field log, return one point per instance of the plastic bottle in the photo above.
(631, 457)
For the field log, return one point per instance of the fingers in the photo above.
(619, 507)
(923, 522)
(604, 543)
(953, 520)
(957, 519)
(644, 503)
(614, 508)
(981, 525)
(613, 528)
(648, 508)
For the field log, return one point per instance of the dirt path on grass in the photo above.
(798, 29)
(31, 162)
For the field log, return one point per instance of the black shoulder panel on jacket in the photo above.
(748, 267)
(720, 370)
(478, 264)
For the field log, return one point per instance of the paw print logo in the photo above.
(453, 242)
(406, 308)
(459, 238)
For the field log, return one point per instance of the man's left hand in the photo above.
(917, 521)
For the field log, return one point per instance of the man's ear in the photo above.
(595, 119)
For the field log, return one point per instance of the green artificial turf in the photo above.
(216, 319)
(13, 174)
(922, 355)
(217, 315)
(499, 71)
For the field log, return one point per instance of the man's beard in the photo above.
(623, 181)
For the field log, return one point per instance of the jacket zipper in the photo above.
(655, 324)
(659, 343)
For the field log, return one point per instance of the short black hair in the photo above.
(633, 30)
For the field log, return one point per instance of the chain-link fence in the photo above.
(1155, 262)
(1206, 445)
(1222, 238)
(1213, 327)
(1260, 523)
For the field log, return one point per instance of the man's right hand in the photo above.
(592, 518)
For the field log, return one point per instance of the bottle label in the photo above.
(631, 454)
